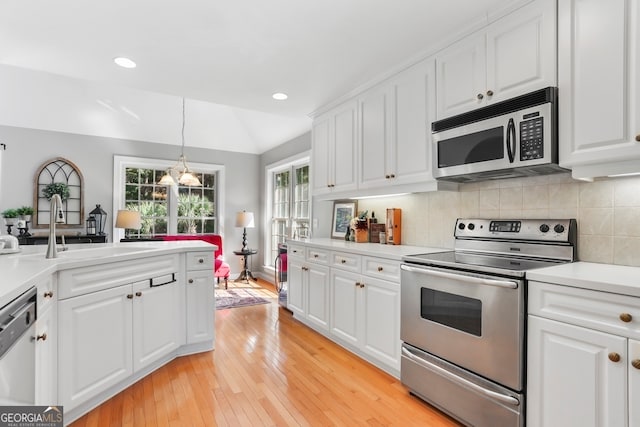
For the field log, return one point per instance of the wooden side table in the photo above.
(245, 274)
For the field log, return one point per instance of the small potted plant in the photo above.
(25, 213)
(10, 216)
(59, 188)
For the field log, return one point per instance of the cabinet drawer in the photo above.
(319, 256)
(346, 261)
(84, 280)
(613, 313)
(382, 268)
(200, 260)
(295, 251)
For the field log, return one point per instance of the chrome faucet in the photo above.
(56, 215)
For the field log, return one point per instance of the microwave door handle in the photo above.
(461, 277)
(511, 140)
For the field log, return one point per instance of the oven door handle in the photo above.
(510, 400)
(461, 277)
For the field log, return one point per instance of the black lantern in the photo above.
(100, 217)
(91, 226)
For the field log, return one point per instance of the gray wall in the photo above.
(27, 149)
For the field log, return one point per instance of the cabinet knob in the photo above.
(626, 317)
(343, 261)
(387, 176)
(201, 261)
(638, 137)
(614, 357)
(190, 280)
(480, 96)
(43, 337)
(635, 363)
(489, 92)
(130, 296)
(392, 175)
(358, 284)
(295, 252)
(380, 268)
(48, 294)
(138, 294)
(361, 285)
(315, 255)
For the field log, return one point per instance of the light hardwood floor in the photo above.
(267, 370)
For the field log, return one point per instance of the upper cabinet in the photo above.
(334, 150)
(512, 56)
(598, 75)
(395, 129)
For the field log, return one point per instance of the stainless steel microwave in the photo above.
(513, 138)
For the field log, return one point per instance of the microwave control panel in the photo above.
(531, 140)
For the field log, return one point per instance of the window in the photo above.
(166, 210)
(289, 204)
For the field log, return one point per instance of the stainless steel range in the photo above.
(463, 316)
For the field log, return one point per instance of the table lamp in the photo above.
(244, 219)
(129, 220)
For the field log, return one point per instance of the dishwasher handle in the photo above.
(510, 284)
(162, 280)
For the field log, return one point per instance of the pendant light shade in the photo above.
(180, 171)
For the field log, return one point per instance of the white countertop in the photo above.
(617, 279)
(395, 252)
(19, 271)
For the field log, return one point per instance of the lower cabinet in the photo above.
(200, 317)
(308, 293)
(110, 334)
(365, 313)
(46, 358)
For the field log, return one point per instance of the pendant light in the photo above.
(180, 169)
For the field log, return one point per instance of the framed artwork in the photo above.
(343, 211)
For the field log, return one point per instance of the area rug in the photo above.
(242, 297)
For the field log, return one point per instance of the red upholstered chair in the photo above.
(220, 269)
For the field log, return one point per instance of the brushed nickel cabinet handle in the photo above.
(614, 357)
(42, 337)
(480, 96)
(48, 294)
(489, 92)
(138, 294)
(626, 317)
(635, 363)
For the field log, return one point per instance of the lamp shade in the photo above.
(244, 219)
(128, 219)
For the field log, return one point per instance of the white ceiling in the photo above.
(231, 54)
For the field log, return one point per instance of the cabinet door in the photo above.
(461, 76)
(156, 319)
(414, 105)
(295, 293)
(321, 132)
(46, 358)
(318, 296)
(598, 80)
(521, 51)
(375, 123)
(95, 348)
(381, 320)
(571, 380)
(345, 310)
(634, 383)
(200, 316)
(343, 155)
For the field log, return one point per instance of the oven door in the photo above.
(475, 321)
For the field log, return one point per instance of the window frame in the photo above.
(120, 163)
(289, 163)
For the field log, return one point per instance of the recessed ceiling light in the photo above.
(279, 96)
(124, 62)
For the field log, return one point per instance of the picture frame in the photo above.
(343, 211)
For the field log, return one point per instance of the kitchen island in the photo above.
(110, 314)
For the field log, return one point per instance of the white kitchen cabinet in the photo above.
(512, 56)
(346, 309)
(599, 86)
(334, 150)
(46, 368)
(582, 352)
(395, 129)
(199, 288)
(308, 293)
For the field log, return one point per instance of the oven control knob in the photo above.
(544, 228)
(461, 226)
(471, 226)
(559, 228)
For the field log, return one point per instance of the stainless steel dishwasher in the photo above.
(18, 350)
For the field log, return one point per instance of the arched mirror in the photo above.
(59, 176)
